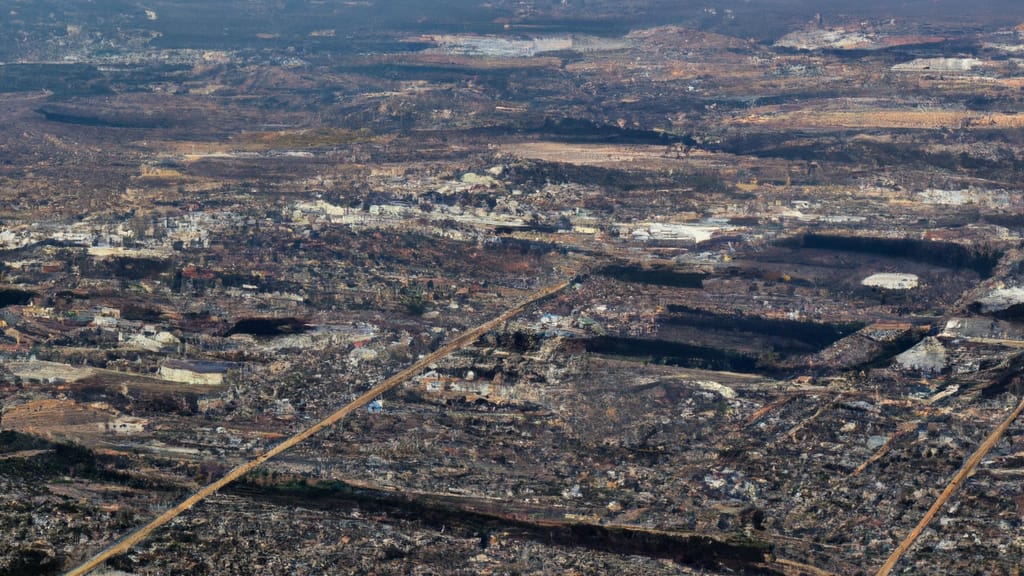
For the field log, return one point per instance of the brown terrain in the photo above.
(552, 289)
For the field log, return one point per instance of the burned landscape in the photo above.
(644, 288)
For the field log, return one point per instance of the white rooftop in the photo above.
(891, 281)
